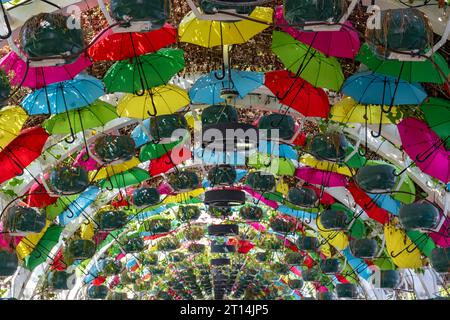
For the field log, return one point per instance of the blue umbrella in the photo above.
(280, 150)
(64, 96)
(138, 134)
(207, 89)
(78, 206)
(372, 88)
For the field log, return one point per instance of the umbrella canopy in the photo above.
(12, 120)
(320, 177)
(161, 100)
(125, 179)
(207, 89)
(144, 72)
(21, 152)
(348, 110)
(110, 171)
(298, 94)
(38, 196)
(434, 70)
(210, 33)
(342, 44)
(120, 46)
(156, 150)
(372, 88)
(95, 115)
(437, 115)
(306, 62)
(38, 77)
(274, 165)
(425, 148)
(64, 96)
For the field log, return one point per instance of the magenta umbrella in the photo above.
(342, 44)
(442, 237)
(321, 177)
(425, 148)
(39, 77)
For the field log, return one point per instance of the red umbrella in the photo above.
(21, 152)
(164, 163)
(298, 94)
(366, 203)
(38, 196)
(111, 46)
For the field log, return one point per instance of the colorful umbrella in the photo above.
(437, 115)
(372, 88)
(125, 179)
(320, 177)
(12, 120)
(207, 89)
(425, 148)
(95, 115)
(144, 72)
(434, 70)
(342, 44)
(155, 150)
(38, 196)
(298, 93)
(23, 150)
(161, 100)
(38, 77)
(307, 63)
(120, 46)
(64, 96)
(110, 171)
(209, 33)
(74, 208)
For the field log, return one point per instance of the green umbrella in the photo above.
(358, 228)
(434, 70)
(422, 241)
(125, 179)
(437, 115)
(59, 206)
(307, 63)
(97, 114)
(144, 72)
(273, 165)
(356, 161)
(155, 150)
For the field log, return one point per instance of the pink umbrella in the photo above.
(41, 76)
(259, 197)
(320, 177)
(6, 241)
(342, 44)
(425, 148)
(442, 237)
(84, 161)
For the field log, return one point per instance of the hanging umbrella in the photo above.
(342, 44)
(320, 177)
(437, 115)
(38, 196)
(274, 165)
(144, 72)
(64, 96)
(120, 46)
(110, 171)
(125, 179)
(161, 100)
(85, 161)
(169, 160)
(207, 89)
(77, 206)
(23, 150)
(140, 134)
(348, 110)
(307, 62)
(12, 120)
(156, 150)
(434, 70)
(38, 77)
(298, 93)
(425, 148)
(210, 33)
(373, 88)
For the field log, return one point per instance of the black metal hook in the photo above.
(8, 25)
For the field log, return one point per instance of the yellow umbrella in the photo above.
(310, 161)
(110, 171)
(12, 120)
(161, 100)
(337, 239)
(28, 243)
(209, 33)
(348, 110)
(183, 197)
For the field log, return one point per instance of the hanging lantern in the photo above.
(386, 279)
(68, 180)
(285, 125)
(300, 12)
(81, 249)
(262, 256)
(212, 6)
(176, 256)
(154, 11)
(188, 213)
(197, 248)
(146, 197)
(163, 127)
(303, 197)
(184, 181)
(346, 291)
(5, 88)
(134, 245)
(251, 213)
(168, 244)
(222, 248)
(117, 296)
(333, 219)
(364, 248)
(111, 267)
(308, 243)
(160, 225)
(377, 178)
(8, 263)
(295, 284)
(330, 266)
(111, 220)
(113, 148)
(222, 175)
(150, 259)
(405, 30)
(281, 225)
(328, 295)
(23, 220)
(420, 215)
(310, 275)
(219, 212)
(221, 230)
(440, 260)
(219, 114)
(58, 280)
(293, 258)
(48, 35)
(224, 198)
(260, 181)
(97, 292)
(329, 147)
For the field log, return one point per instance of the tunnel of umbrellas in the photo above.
(126, 173)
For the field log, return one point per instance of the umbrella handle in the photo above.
(8, 25)
(71, 139)
(216, 75)
(380, 125)
(431, 149)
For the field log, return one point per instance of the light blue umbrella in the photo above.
(64, 96)
(139, 135)
(373, 88)
(78, 206)
(207, 89)
(278, 150)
